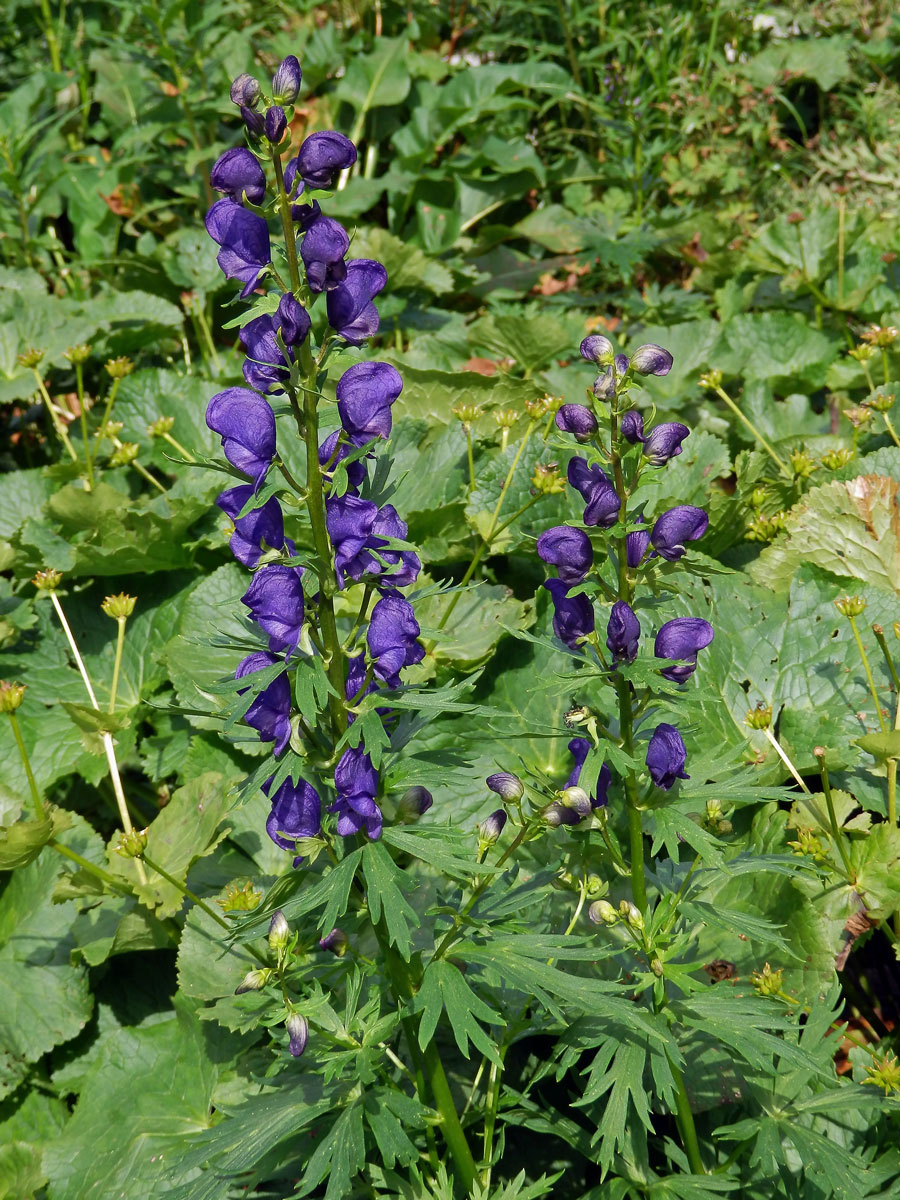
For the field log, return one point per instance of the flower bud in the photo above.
(118, 368)
(11, 695)
(765, 528)
(120, 606)
(656, 967)
(594, 886)
(491, 828)
(540, 407)
(547, 480)
(759, 717)
(109, 429)
(631, 914)
(711, 379)
(880, 400)
(286, 80)
(279, 933)
(809, 845)
(47, 580)
(601, 912)
(802, 464)
(298, 1033)
(30, 358)
(133, 844)
(276, 124)
(413, 803)
(336, 942)
(835, 459)
(508, 787)
(564, 881)
(124, 455)
(651, 360)
(245, 91)
(850, 606)
(605, 385)
(557, 814)
(240, 898)
(254, 981)
(578, 420)
(597, 349)
(858, 416)
(767, 982)
(78, 354)
(884, 1073)
(160, 427)
(577, 799)
(254, 122)
(897, 629)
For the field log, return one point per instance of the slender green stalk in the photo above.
(888, 657)
(79, 384)
(85, 864)
(888, 424)
(50, 35)
(836, 834)
(885, 365)
(782, 466)
(167, 437)
(117, 665)
(868, 670)
(61, 431)
(186, 891)
(471, 457)
(208, 337)
(110, 401)
(491, 1105)
(685, 1119)
(842, 212)
(26, 763)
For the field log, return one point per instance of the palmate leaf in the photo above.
(445, 989)
(339, 1156)
(441, 847)
(296, 895)
(384, 895)
(389, 1114)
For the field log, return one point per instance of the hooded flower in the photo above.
(666, 756)
(244, 240)
(507, 786)
(322, 156)
(276, 124)
(297, 1027)
(349, 305)
(237, 173)
(365, 393)
(664, 442)
(579, 748)
(261, 527)
(245, 91)
(622, 633)
(596, 348)
(397, 568)
(356, 784)
(392, 638)
(685, 523)
(602, 501)
(265, 367)
(632, 427)
(567, 549)
(605, 385)
(322, 250)
(270, 712)
(286, 80)
(682, 639)
(577, 419)
(349, 522)
(275, 600)
(296, 813)
(573, 617)
(636, 544)
(246, 426)
(356, 471)
(651, 360)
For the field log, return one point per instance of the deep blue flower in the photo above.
(245, 91)
(276, 124)
(666, 756)
(596, 348)
(349, 522)
(605, 385)
(636, 544)
(506, 785)
(322, 250)
(623, 632)
(275, 600)
(356, 677)
(403, 566)
(254, 122)
(620, 364)
(392, 638)
(492, 826)
(286, 80)
(262, 527)
(651, 360)
(567, 549)
(577, 419)
(244, 240)
(322, 156)
(664, 442)
(296, 813)
(682, 639)
(237, 172)
(270, 712)
(684, 523)
(579, 748)
(573, 616)
(356, 784)
(298, 1033)
(632, 427)
(265, 367)
(331, 452)
(349, 305)
(365, 393)
(602, 501)
(246, 425)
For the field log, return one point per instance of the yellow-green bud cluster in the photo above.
(133, 844)
(78, 354)
(11, 695)
(885, 1073)
(125, 454)
(547, 480)
(759, 717)
(47, 580)
(31, 358)
(833, 460)
(118, 368)
(850, 606)
(120, 606)
(240, 898)
(160, 427)
(768, 982)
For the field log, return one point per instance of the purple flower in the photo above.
(286, 80)
(276, 124)
(237, 172)
(265, 367)
(579, 748)
(244, 240)
(391, 638)
(349, 305)
(336, 942)
(254, 121)
(595, 486)
(506, 785)
(246, 425)
(414, 803)
(331, 452)
(620, 364)
(681, 524)
(322, 156)
(296, 813)
(596, 348)
(492, 826)
(275, 600)
(573, 617)
(356, 677)
(605, 385)
(365, 393)
(651, 360)
(245, 91)
(270, 712)
(632, 427)
(636, 546)
(322, 250)
(577, 419)
(356, 784)
(666, 756)
(567, 549)
(389, 525)
(622, 633)
(682, 639)
(664, 442)
(261, 527)
(298, 1033)
(349, 522)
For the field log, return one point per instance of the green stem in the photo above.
(117, 665)
(868, 671)
(685, 1119)
(52, 40)
(207, 336)
(92, 869)
(167, 437)
(885, 365)
(842, 208)
(287, 226)
(832, 817)
(890, 428)
(26, 763)
(61, 431)
(110, 401)
(756, 433)
(79, 384)
(491, 1105)
(888, 658)
(470, 458)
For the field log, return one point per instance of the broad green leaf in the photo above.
(444, 989)
(383, 893)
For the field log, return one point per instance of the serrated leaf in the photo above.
(384, 895)
(444, 989)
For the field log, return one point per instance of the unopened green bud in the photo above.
(711, 379)
(541, 406)
(557, 814)
(631, 914)
(118, 368)
(759, 717)
(124, 455)
(850, 606)
(31, 358)
(809, 845)
(11, 696)
(880, 400)
(601, 912)
(897, 629)
(564, 881)
(120, 606)
(594, 886)
(133, 844)
(656, 967)
(835, 459)
(713, 812)
(279, 933)
(724, 827)
(160, 427)
(863, 352)
(802, 464)
(254, 981)
(765, 528)
(758, 497)
(577, 799)
(78, 354)
(47, 580)
(885, 1073)
(547, 480)
(110, 429)
(240, 897)
(767, 982)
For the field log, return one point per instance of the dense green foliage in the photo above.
(719, 180)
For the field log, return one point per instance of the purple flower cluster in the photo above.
(368, 543)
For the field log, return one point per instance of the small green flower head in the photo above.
(850, 606)
(47, 580)
(240, 898)
(802, 464)
(880, 400)
(78, 354)
(110, 430)
(125, 454)
(631, 914)
(505, 418)
(810, 845)
(279, 933)
(160, 427)
(118, 368)
(120, 606)
(466, 413)
(31, 358)
(601, 912)
(759, 717)
(835, 459)
(11, 695)
(132, 845)
(765, 528)
(880, 335)
(885, 1073)
(767, 982)
(858, 416)
(547, 480)
(711, 379)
